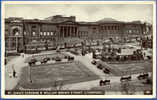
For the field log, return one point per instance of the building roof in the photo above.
(62, 19)
(108, 20)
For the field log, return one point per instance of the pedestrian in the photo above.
(14, 73)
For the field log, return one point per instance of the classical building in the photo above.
(21, 34)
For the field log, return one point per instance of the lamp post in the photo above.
(30, 74)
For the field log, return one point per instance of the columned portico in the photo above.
(68, 31)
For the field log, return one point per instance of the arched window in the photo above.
(16, 31)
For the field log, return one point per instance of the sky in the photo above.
(83, 12)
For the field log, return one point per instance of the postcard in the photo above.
(78, 49)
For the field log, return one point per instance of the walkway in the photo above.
(18, 64)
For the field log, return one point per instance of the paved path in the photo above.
(18, 64)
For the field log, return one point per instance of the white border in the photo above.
(76, 96)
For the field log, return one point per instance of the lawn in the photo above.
(119, 69)
(48, 75)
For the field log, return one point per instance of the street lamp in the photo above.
(30, 74)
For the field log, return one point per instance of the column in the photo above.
(72, 33)
(60, 31)
(77, 32)
(70, 30)
(63, 31)
(66, 31)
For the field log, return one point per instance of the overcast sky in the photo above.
(84, 12)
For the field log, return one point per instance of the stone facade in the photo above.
(23, 34)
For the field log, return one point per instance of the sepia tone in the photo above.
(64, 53)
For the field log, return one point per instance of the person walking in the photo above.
(14, 72)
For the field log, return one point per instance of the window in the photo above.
(51, 33)
(33, 33)
(25, 33)
(130, 31)
(44, 33)
(48, 33)
(41, 33)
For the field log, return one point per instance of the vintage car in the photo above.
(70, 58)
(44, 60)
(99, 66)
(94, 62)
(125, 78)
(32, 62)
(106, 71)
(58, 59)
(143, 76)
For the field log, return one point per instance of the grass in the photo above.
(128, 68)
(46, 76)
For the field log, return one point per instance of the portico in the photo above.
(68, 31)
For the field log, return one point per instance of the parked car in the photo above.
(65, 57)
(44, 60)
(107, 71)
(125, 78)
(99, 66)
(32, 62)
(70, 58)
(143, 76)
(94, 62)
(58, 59)
(53, 58)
